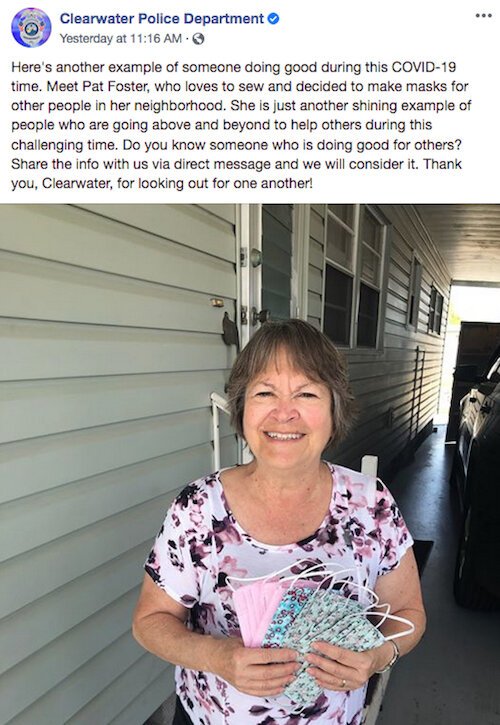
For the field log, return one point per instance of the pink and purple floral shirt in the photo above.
(201, 544)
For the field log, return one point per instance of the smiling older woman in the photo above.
(289, 399)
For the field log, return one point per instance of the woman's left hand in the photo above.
(340, 669)
(335, 668)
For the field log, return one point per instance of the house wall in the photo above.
(277, 259)
(110, 347)
(316, 264)
(397, 385)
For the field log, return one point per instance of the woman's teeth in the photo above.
(284, 436)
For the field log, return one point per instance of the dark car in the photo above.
(476, 473)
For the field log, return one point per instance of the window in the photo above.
(435, 311)
(414, 293)
(371, 249)
(367, 317)
(338, 302)
(339, 272)
(354, 260)
(340, 235)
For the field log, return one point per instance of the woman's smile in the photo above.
(275, 435)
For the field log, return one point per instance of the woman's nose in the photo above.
(285, 410)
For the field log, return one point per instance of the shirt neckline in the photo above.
(279, 547)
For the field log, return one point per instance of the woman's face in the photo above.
(287, 419)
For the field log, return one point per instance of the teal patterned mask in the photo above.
(333, 619)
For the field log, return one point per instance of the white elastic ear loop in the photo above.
(334, 574)
(318, 569)
(263, 577)
(372, 596)
(318, 587)
(315, 570)
(410, 630)
(343, 584)
(383, 615)
(356, 585)
(321, 569)
(333, 580)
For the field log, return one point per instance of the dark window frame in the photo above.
(435, 318)
(329, 305)
(364, 329)
(366, 336)
(413, 306)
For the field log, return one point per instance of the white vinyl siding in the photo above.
(110, 347)
(316, 264)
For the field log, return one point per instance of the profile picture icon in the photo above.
(31, 27)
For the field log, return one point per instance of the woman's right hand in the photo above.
(159, 626)
(263, 672)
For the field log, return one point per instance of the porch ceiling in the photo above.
(468, 236)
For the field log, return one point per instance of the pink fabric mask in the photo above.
(255, 605)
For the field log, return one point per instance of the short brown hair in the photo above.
(309, 351)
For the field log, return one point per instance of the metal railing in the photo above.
(369, 465)
(218, 403)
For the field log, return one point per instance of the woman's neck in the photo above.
(278, 508)
(268, 482)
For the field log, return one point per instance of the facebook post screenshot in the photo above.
(213, 101)
(234, 235)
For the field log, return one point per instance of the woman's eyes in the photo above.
(269, 393)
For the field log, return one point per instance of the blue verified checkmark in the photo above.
(273, 18)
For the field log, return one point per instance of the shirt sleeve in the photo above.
(182, 550)
(394, 536)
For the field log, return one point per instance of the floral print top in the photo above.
(201, 544)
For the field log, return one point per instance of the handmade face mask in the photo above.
(334, 625)
(358, 632)
(255, 605)
(289, 607)
(323, 610)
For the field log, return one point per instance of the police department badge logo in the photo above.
(31, 27)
